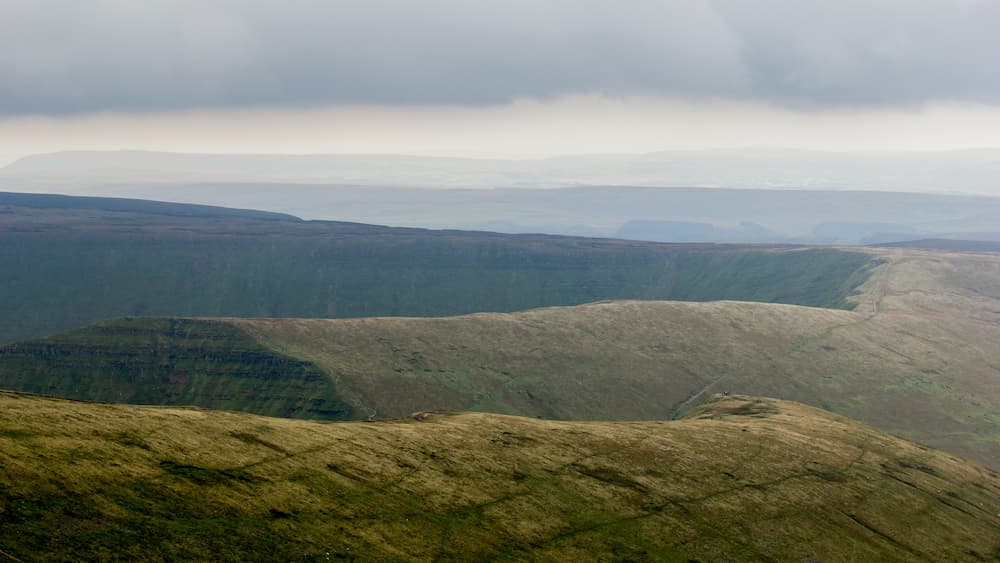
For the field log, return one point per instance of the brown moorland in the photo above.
(738, 478)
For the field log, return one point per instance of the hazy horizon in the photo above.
(520, 79)
(968, 171)
(890, 95)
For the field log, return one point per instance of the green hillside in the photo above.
(914, 377)
(64, 268)
(917, 358)
(171, 362)
(737, 479)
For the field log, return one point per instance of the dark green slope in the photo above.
(171, 362)
(65, 268)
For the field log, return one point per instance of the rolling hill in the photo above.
(917, 357)
(738, 478)
(70, 262)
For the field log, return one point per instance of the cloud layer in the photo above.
(79, 56)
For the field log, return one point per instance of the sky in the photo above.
(485, 78)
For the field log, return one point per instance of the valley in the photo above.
(547, 281)
(583, 396)
(916, 357)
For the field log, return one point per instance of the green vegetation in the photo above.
(739, 478)
(921, 367)
(926, 379)
(66, 268)
(171, 362)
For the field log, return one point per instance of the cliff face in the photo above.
(171, 362)
(67, 268)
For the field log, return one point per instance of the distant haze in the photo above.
(520, 129)
(968, 171)
(783, 195)
(512, 79)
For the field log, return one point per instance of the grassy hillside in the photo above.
(737, 479)
(171, 362)
(612, 360)
(67, 267)
(654, 360)
(917, 358)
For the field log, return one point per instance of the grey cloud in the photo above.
(68, 56)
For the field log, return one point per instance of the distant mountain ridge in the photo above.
(69, 267)
(763, 196)
(125, 205)
(964, 171)
(916, 357)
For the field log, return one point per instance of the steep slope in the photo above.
(917, 358)
(739, 479)
(616, 360)
(70, 266)
(171, 362)
(919, 378)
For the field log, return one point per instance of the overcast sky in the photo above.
(117, 72)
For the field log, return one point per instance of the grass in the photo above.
(738, 478)
(66, 268)
(917, 357)
(171, 361)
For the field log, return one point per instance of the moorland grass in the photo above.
(738, 478)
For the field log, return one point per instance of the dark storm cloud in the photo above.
(66, 56)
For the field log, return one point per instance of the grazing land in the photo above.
(917, 357)
(911, 349)
(70, 262)
(737, 478)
